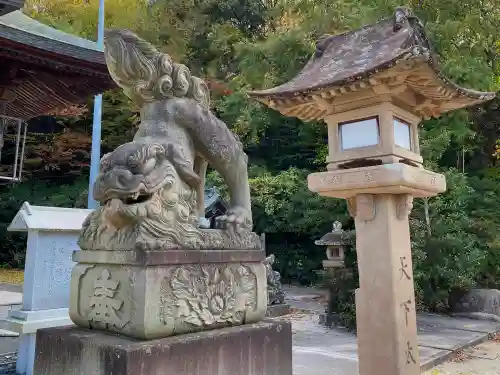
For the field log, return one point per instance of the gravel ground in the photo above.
(8, 364)
(483, 359)
(11, 276)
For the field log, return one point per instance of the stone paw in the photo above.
(236, 218)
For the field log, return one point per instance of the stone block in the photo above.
(280, 309)
(381, 179)
(263, 348)
(329, 263)
(156, 294)
(26, 322)
(477, 303)
(48, 270)
(52, 237)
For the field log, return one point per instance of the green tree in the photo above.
(240, 45)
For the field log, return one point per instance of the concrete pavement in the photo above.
(10, 298)
(318, 350)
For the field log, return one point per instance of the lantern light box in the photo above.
(380, 134)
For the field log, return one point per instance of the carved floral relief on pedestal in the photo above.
(160, 301)
(208, 295)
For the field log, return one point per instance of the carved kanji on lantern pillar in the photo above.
(385, 307)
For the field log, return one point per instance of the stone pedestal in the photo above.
(155, 294)
(380, 199)
(263, 348)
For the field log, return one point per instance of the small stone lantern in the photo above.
(334, 247)
(372, 87)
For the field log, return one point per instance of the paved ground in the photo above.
(11, 288)
(483, 359)
(10, 298)
(318, 350)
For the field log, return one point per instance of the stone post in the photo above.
(380, 199)
(6, 96)
(385, 303)
(3, 104)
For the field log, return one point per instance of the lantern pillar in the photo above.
(380, 199)
(385, 303)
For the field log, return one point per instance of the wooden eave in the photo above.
(412, 84)
(44, 71)
(39, 88)
(52, 60)
(40, 93)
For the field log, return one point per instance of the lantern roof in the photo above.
(212, 198)
(335, 237)
(393, 52)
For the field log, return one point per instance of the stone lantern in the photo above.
(372, 87)
(334, 247)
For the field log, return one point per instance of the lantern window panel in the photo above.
(402, 134)
(359, 133)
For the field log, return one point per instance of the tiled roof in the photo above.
(19, 28)
(358, 54)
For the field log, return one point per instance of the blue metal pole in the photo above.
(96, 124)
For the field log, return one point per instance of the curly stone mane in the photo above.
(146, 74)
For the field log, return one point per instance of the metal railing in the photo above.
(19, 127)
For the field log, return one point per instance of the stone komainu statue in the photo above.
(275, 293)
(151, 189)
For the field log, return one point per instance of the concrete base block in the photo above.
(263, 348)
(25, 322)
(26, 354)
(481, 304)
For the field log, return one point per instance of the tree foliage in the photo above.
(239, 45)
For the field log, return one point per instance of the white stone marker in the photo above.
(52, 237)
